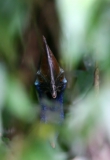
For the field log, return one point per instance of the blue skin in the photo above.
(56, 107)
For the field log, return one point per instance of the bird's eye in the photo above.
(61, 78)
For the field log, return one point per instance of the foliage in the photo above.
(84, 36)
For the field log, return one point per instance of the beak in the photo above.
(54, 92)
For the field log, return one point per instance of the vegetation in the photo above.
(78, 33)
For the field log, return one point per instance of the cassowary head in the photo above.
(50, 84)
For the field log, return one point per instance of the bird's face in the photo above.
(50, 77)
(45, 86)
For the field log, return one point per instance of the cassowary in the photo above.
(50, 85)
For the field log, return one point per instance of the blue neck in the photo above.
(52, 112)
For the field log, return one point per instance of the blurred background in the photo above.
(78, 33)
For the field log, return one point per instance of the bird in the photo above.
(50, 84)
